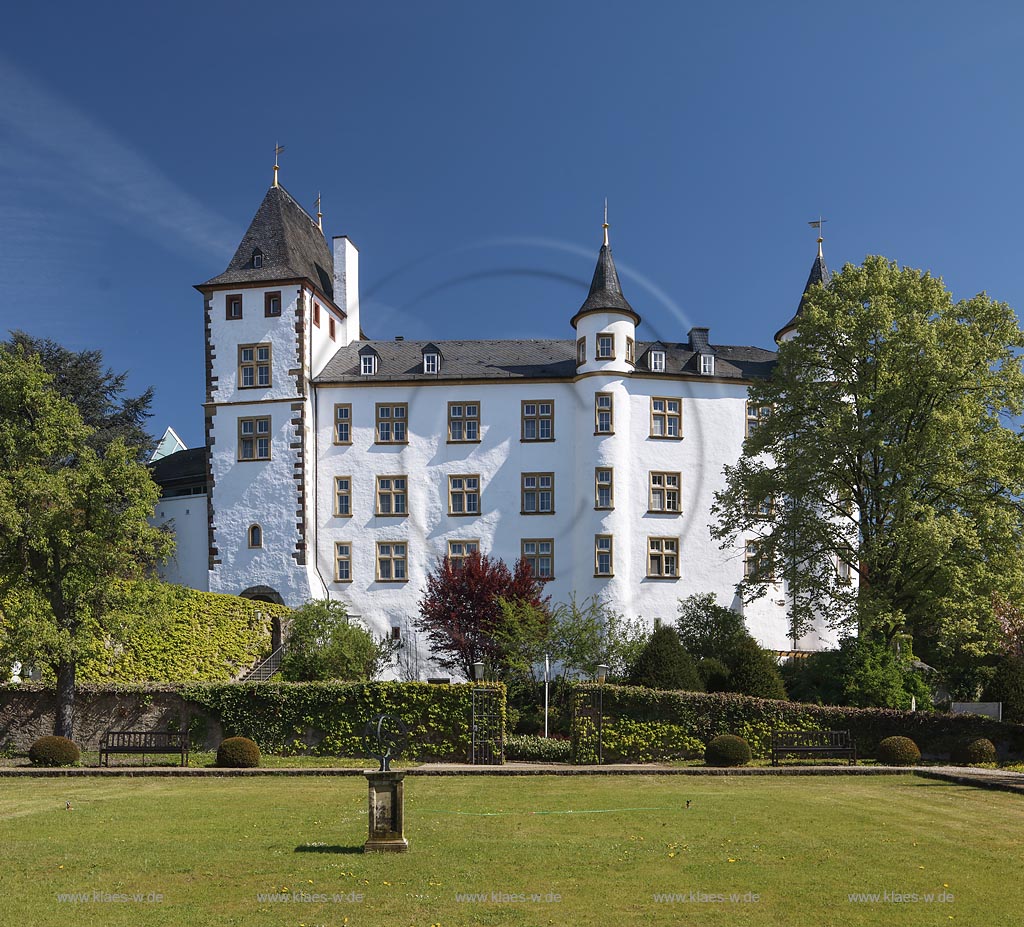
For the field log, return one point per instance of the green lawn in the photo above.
(791, 849)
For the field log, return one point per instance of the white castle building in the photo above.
(344, 467)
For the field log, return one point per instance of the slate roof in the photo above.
(605, 289)
(819, 275)
(524, 360)
(181, 468)
(292, 244)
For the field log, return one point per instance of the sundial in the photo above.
(385, 738)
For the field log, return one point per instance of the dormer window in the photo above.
(707, 365)
(368, 365)
(257, 258)
(656, 360)
(605, 347)
(431, 363)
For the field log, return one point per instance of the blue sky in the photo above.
(467, 149)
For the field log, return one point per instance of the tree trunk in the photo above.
(65, 724)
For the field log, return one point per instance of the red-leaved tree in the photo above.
(460, 613)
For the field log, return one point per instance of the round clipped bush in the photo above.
(727, 750)
(238, 753)
(54, 751)
(898, 751)
(974, 752)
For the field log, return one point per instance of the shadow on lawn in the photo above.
(324, 848)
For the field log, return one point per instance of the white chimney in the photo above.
(346, 286)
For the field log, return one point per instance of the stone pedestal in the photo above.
(386, 812)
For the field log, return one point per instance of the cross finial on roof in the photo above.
(817, 224)
(605, 226)
(278, 148)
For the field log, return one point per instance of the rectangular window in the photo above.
(253, 365)
(603, 555)
(603, 422)
(664, 492)
(330, 327)
(666, 418)
(843, 569)
(391, 562)
(343, 496)
(254, 438)
(605, 347)
(343, 423)
(463, 422)
(757, 562)
(656, 359)
(630, 350)
(539, 553)
(464, 494)
(431, 363)
(316, 314)
(271, 304)
(538, 420)
(662, 558)
(581, 351)
(604, 498)
(392, 496)
(458, 551)
(538, 493)
(368, 364)
(233, 307)
(707, 365)
(342, 562)
(756, 415)
(392, 422)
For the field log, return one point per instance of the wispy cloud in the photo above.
(59, 147)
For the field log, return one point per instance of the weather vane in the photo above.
(278, 148)
(817, 224)
(605, 226)
(319, 215)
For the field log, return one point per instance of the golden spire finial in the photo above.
(605, 226)
(319, 215)
(817, 224)
(278, 148)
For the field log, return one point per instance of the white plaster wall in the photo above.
(186, 516)
(346, 286)
(619, 326)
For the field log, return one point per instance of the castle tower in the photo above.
(271, 323)
(819, 276)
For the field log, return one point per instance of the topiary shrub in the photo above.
(54, 751)
(898, 751)
(665, 664)
(238, 753)
(974, 752)
(727, 750)
(753, 671)
(714, 674)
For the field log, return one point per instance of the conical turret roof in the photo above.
(605, 290)
(819, 276)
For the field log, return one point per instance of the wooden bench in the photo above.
(144, 742)
(813, 743)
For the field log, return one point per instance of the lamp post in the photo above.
(478, 671)
(547, 675)
(602, 674)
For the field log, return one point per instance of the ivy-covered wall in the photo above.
(282, 717)
(185, 635)
(641, 725)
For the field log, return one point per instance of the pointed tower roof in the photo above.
(291, 246)
(819, 275)
(605, 290)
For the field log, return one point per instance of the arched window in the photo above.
(257, 258)
(255, 536)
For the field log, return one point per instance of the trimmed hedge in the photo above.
(238, 753)
(641, 725)
(727, 750)
(531, 748)
(974, 752)
(54, 751)
(898, 751)
(328, 718)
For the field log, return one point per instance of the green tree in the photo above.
(71, 523)
(888, 457)
(752, 671)
(589, 633)
(664, 664)
(706, 628)
(97, 392)
(324, 643)
(1007, 686)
